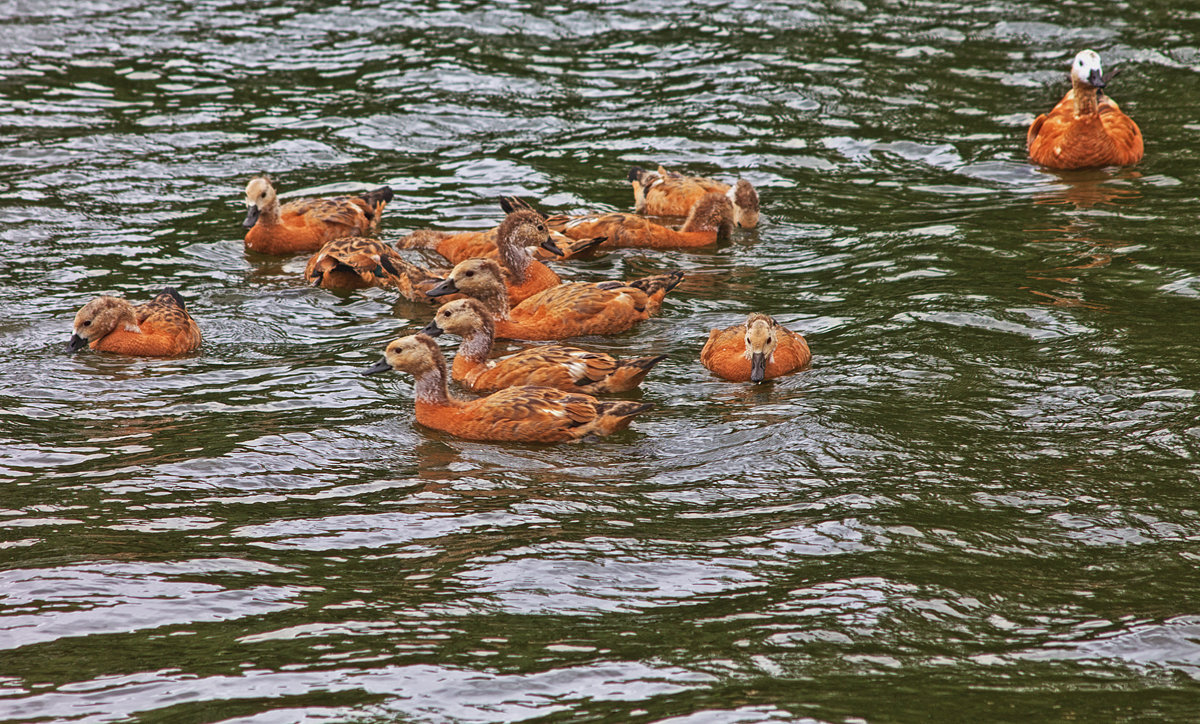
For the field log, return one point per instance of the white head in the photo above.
(1086, 69)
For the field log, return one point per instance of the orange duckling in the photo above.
(666, 193)
(551, 365)
(758, 350)
(709, 219)
(1086, 129)
(159, 328)
(356, 262)
(568, 310)
(303, 225)
(517, 414)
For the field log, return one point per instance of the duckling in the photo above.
(159, 328)
(518, 414)
(303, 225)
(760, 349)
(709, 219)
(567, 310)
(1085, 129)
(355, 262)
(552, 365)
(666, 193)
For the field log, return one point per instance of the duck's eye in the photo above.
(469, 274)
(445, 314)
(769, 340)
(541, 227)
(263, 195)
(87, 323)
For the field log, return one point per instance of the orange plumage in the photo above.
(304, 225)
(456, 246)
(552, 365)
(666, 193)
(518, 414)
(710, 218)
(1085, 129)
(567, 310)
(757, 350)
(159, 328)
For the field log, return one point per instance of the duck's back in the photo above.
(573, 309)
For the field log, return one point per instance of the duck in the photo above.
(757, 350)
(456, 246)
(552, 365)
(667, 193)
(1086, 129)
(161, 327)
(357, 262)
(567, 310)
(709, 219)
(515, 414)
(304, 225)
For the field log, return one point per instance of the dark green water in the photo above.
(978, 505)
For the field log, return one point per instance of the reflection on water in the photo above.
(985, 482)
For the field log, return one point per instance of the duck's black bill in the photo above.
(446, 287)
(758, 367)
(252, 215)
(380, 366)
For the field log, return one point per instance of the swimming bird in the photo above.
(458, 246)
(567, 310)
(1086, 129)
(356, 262)
(709, 219)
(757, 350)
(550, 365)
(666, 193)
(518, 414)
(303, 225)
(159, 328)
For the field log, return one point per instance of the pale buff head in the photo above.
(260, 195)
(745, 204)
(100, 317)
(462, 318)
(762, 337)
(1086, 69)
(415, 354)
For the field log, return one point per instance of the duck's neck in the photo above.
(270, 213)
(1085, 99)
(496, 302)
(477, 345)
(430, 387)
(515, 259)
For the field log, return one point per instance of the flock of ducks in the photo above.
(501, 287)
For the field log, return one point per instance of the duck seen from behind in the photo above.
(304, 225)
(709, 219)
(159, 328)
(1086, 129)
(516, 414)
(357, 262)
(552, 365)
(666, 193)
(567, 310)
(757, 350)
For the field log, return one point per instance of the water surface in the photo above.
(978, 504)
